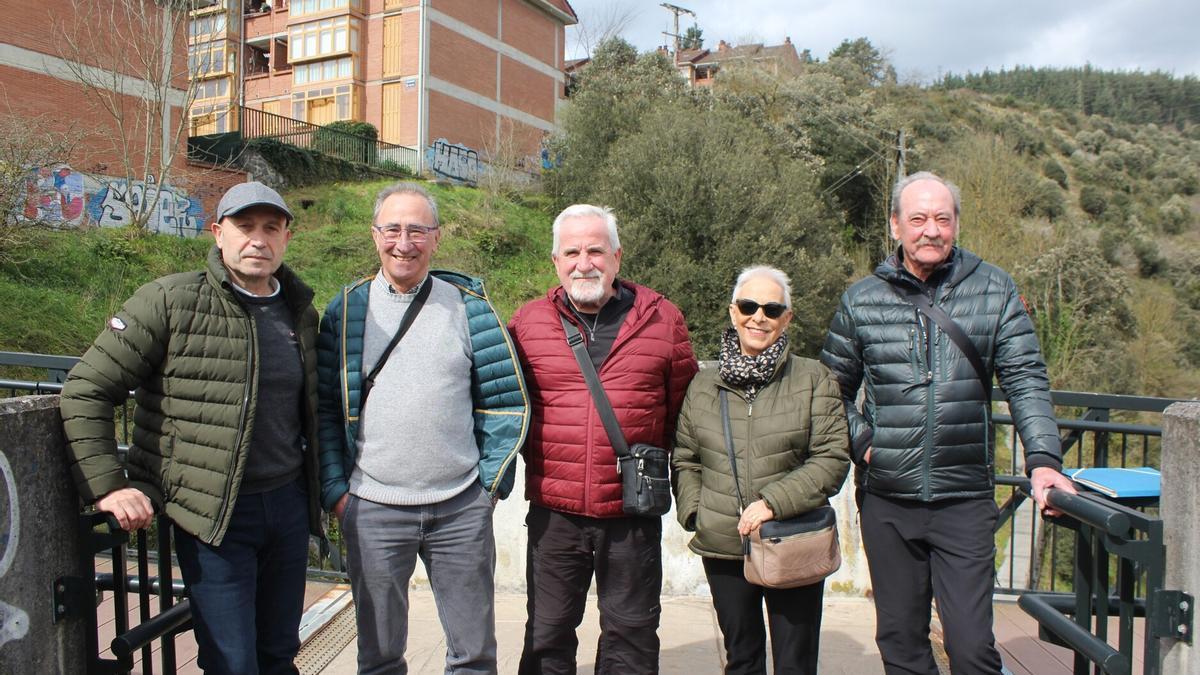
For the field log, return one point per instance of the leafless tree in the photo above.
(25, 146)
(127, 56)
(606, 20)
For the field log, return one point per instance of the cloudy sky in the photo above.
(925, 38)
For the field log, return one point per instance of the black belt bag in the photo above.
(645, 470)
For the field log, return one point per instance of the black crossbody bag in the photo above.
(644, 469)
(924, 305)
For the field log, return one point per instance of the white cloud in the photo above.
(931, 37)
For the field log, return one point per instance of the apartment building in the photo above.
(48, 50)
(483, 74)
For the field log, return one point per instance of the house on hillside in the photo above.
(62, 75)
(456, 75)
(700, 66)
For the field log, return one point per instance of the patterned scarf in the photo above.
(749, 373)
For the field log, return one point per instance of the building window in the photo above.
(333, 69)
(305, 7)
(210, 58)
(207, 27)
(327, 37)
(326, 104)
(210, 119)
(217, 88)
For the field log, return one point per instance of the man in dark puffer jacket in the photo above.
(223, 362)
(922, 443)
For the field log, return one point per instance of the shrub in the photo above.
(1093, 201)
(1054, 171)
(1046, 199)
(1176, 215)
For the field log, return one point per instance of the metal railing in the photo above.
(1090, 438)
(1104, 531)
(358, 149)
(102, 539)
(77, 596)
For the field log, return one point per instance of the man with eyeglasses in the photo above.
(638, 342)
(926, 333)
(422, 412)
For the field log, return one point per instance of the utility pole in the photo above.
(676, 10)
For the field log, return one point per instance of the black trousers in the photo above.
(793, 614)
(944, 550)
(626, 556)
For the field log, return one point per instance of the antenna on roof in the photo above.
(676, 10)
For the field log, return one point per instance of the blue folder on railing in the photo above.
(1127, 483)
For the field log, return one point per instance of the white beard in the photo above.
(586, 291)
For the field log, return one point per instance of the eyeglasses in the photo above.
(416, 233)
(772, 310)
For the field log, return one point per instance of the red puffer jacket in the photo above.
(570, 465)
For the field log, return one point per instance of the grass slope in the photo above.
(65, 284)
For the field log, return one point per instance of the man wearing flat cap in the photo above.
(222, 364)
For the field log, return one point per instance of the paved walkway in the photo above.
(691, 641)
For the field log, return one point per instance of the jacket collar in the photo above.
(296, 293)
(957, 267)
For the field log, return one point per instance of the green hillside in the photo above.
(62, 286)
(1095, 217)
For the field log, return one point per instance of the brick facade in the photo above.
(36, 85)
(493, 71)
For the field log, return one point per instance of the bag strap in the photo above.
(603, 407)
(923, 304)
(724, 396)
(737, 486)
(410, 315)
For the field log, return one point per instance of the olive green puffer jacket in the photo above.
(792, 447)
(186, 346)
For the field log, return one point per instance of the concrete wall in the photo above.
(682, 572)
(1180, 509)
(38, 511)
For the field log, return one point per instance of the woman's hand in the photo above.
(755, 515)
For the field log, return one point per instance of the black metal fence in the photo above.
(1094, 434)
(1107, 532)
(358, 149)
(103, 541)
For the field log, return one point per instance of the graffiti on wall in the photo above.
(62, 196)
(14, 621)
(175, 213)
(54, 195)
(453, 161)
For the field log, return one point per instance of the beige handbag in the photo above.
(794, 552)
(786, 553)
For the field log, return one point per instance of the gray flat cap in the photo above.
(244, 195)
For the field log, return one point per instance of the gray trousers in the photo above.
(455, 542)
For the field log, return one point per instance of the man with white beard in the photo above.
(638, 342)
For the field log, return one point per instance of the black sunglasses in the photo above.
(772, 310)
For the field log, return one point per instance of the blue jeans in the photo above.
(454, 540)
(247, 594)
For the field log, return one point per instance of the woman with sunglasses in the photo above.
(792, 447)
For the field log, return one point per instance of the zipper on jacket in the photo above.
(930, 397)
(749, 435)
(222, 519)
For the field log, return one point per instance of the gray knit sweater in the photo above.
(416, 442)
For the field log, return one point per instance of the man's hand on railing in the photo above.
(1042, 479)
(130, 506)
